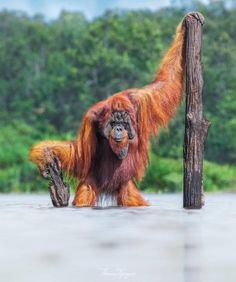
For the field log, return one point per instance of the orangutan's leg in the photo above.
(84, 196)
(130, 196)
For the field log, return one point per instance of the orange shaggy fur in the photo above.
(150, 108)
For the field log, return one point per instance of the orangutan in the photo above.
(111, 151)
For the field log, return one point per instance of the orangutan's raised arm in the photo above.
(159, 100)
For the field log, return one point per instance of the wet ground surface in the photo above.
(160, 243)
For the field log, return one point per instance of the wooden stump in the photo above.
(59, 190)
(196, 127)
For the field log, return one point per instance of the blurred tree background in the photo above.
(52, 71)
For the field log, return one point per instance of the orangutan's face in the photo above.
(119, 131)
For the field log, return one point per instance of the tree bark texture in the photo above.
(59, 190)
(196, 127)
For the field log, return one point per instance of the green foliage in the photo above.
(17, 173)
(166, 175)
(163, 175)
(52, 72)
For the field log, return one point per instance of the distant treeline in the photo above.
(51, 72)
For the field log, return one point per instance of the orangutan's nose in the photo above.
(118, 133)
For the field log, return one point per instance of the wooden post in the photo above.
(59, 190)
(196, 127)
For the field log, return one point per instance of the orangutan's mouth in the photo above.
(118, 139)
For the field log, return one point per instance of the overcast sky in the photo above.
(51, 8)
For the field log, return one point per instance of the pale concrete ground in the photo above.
(163, 242)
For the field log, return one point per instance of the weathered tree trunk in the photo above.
(196, 127)
(59, 190)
